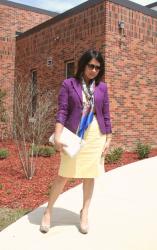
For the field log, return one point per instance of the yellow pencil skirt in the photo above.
(88, 163)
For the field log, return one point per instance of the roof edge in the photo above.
(87, 4)
(151, 5)
(135, 6)
(29, 8)
(61, 17)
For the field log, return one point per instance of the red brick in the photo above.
(130, 63)
(13, 19)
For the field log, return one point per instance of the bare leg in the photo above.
(56, 189)
(88, 186)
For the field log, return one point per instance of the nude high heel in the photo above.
(44, 228)
(83, 228)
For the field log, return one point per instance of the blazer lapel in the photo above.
(96, 93)
(78, 88)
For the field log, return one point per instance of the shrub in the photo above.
(142, 150)
(34, 150)
(114, 155)
(2, 106)
(45, 151)
(3, 153)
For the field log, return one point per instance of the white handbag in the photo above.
(74, 142)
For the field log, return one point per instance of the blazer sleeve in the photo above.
(62, 111)
(107, 112)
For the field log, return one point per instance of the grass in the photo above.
(8, 216)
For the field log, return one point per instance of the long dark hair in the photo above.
(85, 59)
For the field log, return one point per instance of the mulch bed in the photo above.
(18, 192)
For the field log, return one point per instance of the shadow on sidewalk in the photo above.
(60, 217)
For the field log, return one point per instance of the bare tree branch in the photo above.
(31, 130)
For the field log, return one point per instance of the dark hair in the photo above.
(85, 59)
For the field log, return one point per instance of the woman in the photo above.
(83, 108)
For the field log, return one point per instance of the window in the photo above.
(70, 69)
(17, 33)
(33, 92)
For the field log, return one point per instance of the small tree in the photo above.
(31, 126)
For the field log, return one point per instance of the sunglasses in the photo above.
(92, 66)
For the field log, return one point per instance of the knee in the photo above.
(62, 179)
(88, 180)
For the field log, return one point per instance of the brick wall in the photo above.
(63, 41)
(13, 19)
(131, 71)
(129, 63)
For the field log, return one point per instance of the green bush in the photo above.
(142, 150)
(34, 150)
(45, 151)
(3, 153)
(114, 155)
(2, 106)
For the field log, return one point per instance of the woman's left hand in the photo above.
(106, 149)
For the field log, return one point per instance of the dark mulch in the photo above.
(18, 192)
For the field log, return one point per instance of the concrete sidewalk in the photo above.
(123, 215)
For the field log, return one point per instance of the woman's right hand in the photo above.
(58, 145)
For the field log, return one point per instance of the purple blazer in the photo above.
(70, 105)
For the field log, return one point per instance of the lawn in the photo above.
(9, 215)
